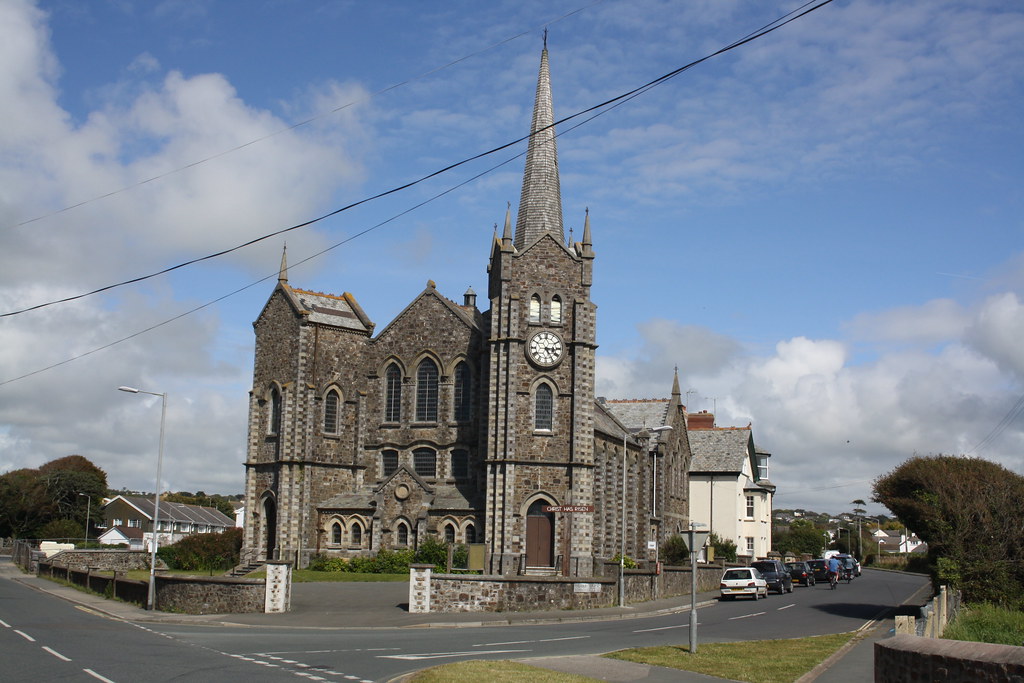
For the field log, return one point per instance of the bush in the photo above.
(674, 551)
(204, 552)
(627, 561)
(725, 549)
(985, 623)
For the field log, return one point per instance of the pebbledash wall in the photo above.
(430, 592)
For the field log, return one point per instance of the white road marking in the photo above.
(662, 628)
(97, 676)
(56, 654)
(4, 624)
(792, 604)
(746, 616)
(526, 642)
(25, 636)
(441, 655)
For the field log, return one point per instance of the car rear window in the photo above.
(765, 567)
(737, 574)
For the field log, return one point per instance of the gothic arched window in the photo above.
(388, 463)
(463, 392)
(357, 534)
(393, 394)
(556, 310)
(534, 309)
(470, 533)
(274, 422)
(336, 533)
(403, 534)
(426, 391)
(543, 408)
(449, 533)
(331, 404)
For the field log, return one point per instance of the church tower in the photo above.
(539, 436)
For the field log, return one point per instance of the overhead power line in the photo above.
(614, 101)
(597, 110)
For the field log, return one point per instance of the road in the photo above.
(45, 638)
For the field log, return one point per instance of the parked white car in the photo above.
(743, 581)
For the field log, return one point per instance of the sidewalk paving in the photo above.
(341, 605)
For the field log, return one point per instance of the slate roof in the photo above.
(329, 309)
(719, 450)
(179, 512)
(635, 414)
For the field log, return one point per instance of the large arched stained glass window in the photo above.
(426, 392)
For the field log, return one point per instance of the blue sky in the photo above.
(821, 229)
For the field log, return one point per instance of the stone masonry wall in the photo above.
(915, 658)
(106, 560)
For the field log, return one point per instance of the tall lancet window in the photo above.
(426, 392)
(274, 423)
(392, 394)
(534, 309)
(556, 310)
(463, 392)
(543, 408)
(331, 403)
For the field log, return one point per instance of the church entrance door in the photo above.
(270, 528)
(540, 536)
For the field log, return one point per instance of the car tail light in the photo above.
(751, 585)
(723, 586)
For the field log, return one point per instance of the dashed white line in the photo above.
(662, 628)
(97, 676)
(441, 655)
(4, 624)
(792, 604)
(747, 616)
(25, 636)
(56, 654)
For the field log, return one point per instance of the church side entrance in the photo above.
(540, 535)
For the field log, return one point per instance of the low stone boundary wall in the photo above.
(917, 658)
(105, 559)
(184, 594)
(431, 592)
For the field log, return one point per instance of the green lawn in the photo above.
(763, 661)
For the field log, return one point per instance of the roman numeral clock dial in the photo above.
(545, 348)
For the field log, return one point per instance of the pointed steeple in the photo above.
(675, 384)
(282, 274)
(540, 204)
(506, 237)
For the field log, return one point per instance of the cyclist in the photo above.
(833, 570)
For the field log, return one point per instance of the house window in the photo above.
(357, 535)
(336, 533)
(556, 310)
(449, 533)
(331, 403)
(426, 392)
(424, 461)
(750, 507)
(403, 534)
(543, 408)
(116, 522)
(388, 463)
(274, 423)
(762, 467)
(534, 309)
(750, 546)
(470, 533)
(460, 464)
(134, 523)
(393, 394)
(463, 393)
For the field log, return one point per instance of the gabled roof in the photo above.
(470, 318)
(328, 309)
(720, 449)
(637, 413)
(177, 512)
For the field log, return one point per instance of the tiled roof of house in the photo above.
(180, 512)
(719, 449)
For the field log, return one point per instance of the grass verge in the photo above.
(762, 661)
(984, 623)
(501, 671)
(756, 661)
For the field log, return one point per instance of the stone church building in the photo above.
(477, 426)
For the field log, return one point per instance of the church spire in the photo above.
(282, 274)
(540, 204)
(675, 384)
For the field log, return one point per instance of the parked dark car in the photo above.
(820, 570)
(775, 575)
(801, 573)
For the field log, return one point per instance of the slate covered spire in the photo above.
(540, 204)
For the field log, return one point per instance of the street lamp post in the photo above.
(622, 539)
(88, 512)
(695, 540)
(151, 595)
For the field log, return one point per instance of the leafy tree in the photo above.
(61, 529)
(23, 503)
(674, 551)
(968, 511)
(725, 549)
(801, 538)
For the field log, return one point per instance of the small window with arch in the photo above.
(556, 310)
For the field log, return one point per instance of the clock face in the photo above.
(545, 348)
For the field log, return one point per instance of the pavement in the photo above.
(351, 605)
